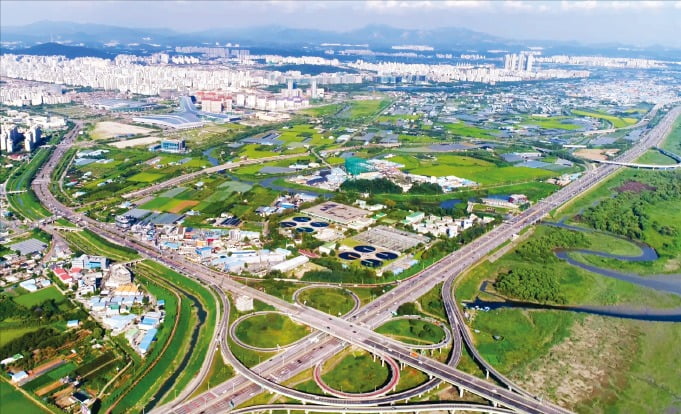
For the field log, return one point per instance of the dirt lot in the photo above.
(126, 143)
(596, 154)
(108, 129)
(635, 187)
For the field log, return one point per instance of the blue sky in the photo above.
(632, 22)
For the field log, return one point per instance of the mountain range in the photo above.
(114, 39)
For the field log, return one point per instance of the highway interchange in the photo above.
(357, 327)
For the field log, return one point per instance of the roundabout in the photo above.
(333, 301)
(389, 384)
(269, 330)
(422, 324)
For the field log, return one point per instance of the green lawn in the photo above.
(145, 177)
(655, 157)
(270, 330)
(554, 122)
(365, 108)
(219, 373)
(673, 141)
(322, 111)
(331, 301)
(30, 300)
(14, 401)
(412, 331)
(464, 130)
(357, 372)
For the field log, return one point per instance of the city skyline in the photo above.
(632, 23)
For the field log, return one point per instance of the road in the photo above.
(360, 334)
(218, 168)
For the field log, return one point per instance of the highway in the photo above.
(218, 168)
(358, 334)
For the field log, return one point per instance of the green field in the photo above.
(360, 364)
(11, 333)
(366, 108)
(464, 130)
(26, 204)
(616, 121)
(90, 243)
(554, 122)
(50, 377)
(322, 111)
(146, 177)
(30, 300)
(673, 141)
(655, 157)
(412, 331)
(270, 330)
(13, 400)
(331, 301)
(219, 373)
(480, 171)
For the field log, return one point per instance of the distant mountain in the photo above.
(47, 49)
(279, 39)
(96, 35)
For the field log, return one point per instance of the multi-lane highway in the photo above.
(361, 334)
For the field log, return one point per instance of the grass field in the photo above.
(331, 301)
(146, 177)
(30, 300)
(345, 375)
(464, 130)
(11, 333)
(480, 171)
(219, 373)
(322, 111)
(655, 157)
(673, 141)
(14, 401)
(90, 243)
(616, 121)
(49, 377)
(412, 331)
(554, 122)
(270, 330)
(366, 108)
(26, 204)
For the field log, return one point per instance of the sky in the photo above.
(638, 23)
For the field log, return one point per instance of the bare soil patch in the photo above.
(635, 187)
(596, 154)
(109, 129)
